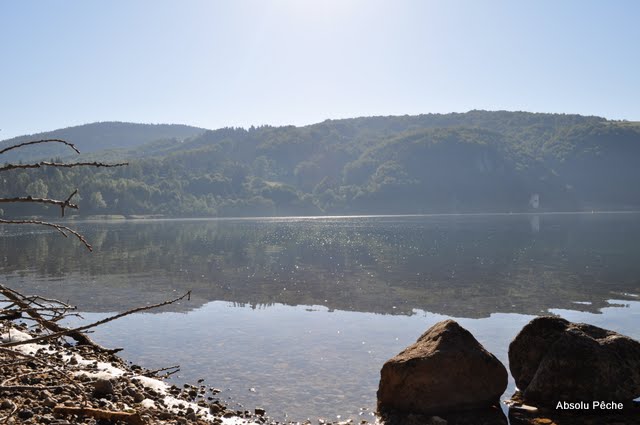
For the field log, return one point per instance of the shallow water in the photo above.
(298, 315)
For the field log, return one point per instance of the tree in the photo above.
(96, 201)
(38, 190)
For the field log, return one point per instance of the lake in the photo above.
(297, 315)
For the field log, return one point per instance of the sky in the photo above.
(213, 64)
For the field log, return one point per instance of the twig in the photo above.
(29, 387)
(58, 227)
(94, 324)
(48, 300)
(18, 299)
(63, 204)
(61, 164)
(31, 199)
(22, 375)
(19, 145)
(33, 299)
(13, 412)
(16, 363)
(130, 418)
(163, 369)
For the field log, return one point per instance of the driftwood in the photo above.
(130, 418)
(81, 338)
(67, 332)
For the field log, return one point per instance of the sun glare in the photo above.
(317, 10)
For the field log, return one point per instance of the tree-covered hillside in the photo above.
(472, 162)
(98, 136)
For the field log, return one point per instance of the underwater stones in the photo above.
(446, 369)
(552, 359)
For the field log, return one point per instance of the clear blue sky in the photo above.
(241, 62)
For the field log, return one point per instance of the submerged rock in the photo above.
(485, 416)
(446, 369)
(552, 359)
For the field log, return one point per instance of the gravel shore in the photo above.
(56, 382)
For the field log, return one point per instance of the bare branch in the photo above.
(19, 145)
(28, 387)
(58, 227)
(132, 418)
(154, 373)
(61, 164)
(63, 204)
(23, 302)
(94, 324)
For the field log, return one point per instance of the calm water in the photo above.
(298, 315)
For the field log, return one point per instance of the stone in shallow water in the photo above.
(485, 416)
(552, 360)
(447, 369)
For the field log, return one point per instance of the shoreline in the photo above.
(59, 383)
(55, 382)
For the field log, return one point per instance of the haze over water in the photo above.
(298, 315)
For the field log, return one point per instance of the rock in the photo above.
(49, 402)
(259, 411)
(485, 416)
(437, 420)
(552, 359)
(25, 414)
(138, 396)
(215, 408)
(446, 369)
(102, 388)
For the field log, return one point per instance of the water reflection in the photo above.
(307, 362)
(535, 223)
(306, 311)
(463, 266)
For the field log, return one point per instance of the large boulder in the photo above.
(554, 360)
(446, 369)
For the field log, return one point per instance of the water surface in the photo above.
(298, 315)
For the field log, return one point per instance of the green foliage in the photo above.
(476, 161)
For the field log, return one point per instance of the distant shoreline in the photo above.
(156, 217)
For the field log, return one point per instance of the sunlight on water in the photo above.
(306, 361)
(305, 311)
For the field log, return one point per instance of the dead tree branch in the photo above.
(22, 302)
(170, 371)
(60, 228)
(100, 414)
(94, 324)
(61, 165)
(62, 204)
(19, 145)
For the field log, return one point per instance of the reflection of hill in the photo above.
(458, 266)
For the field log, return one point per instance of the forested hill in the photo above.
(478, 161)
(97, 136)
